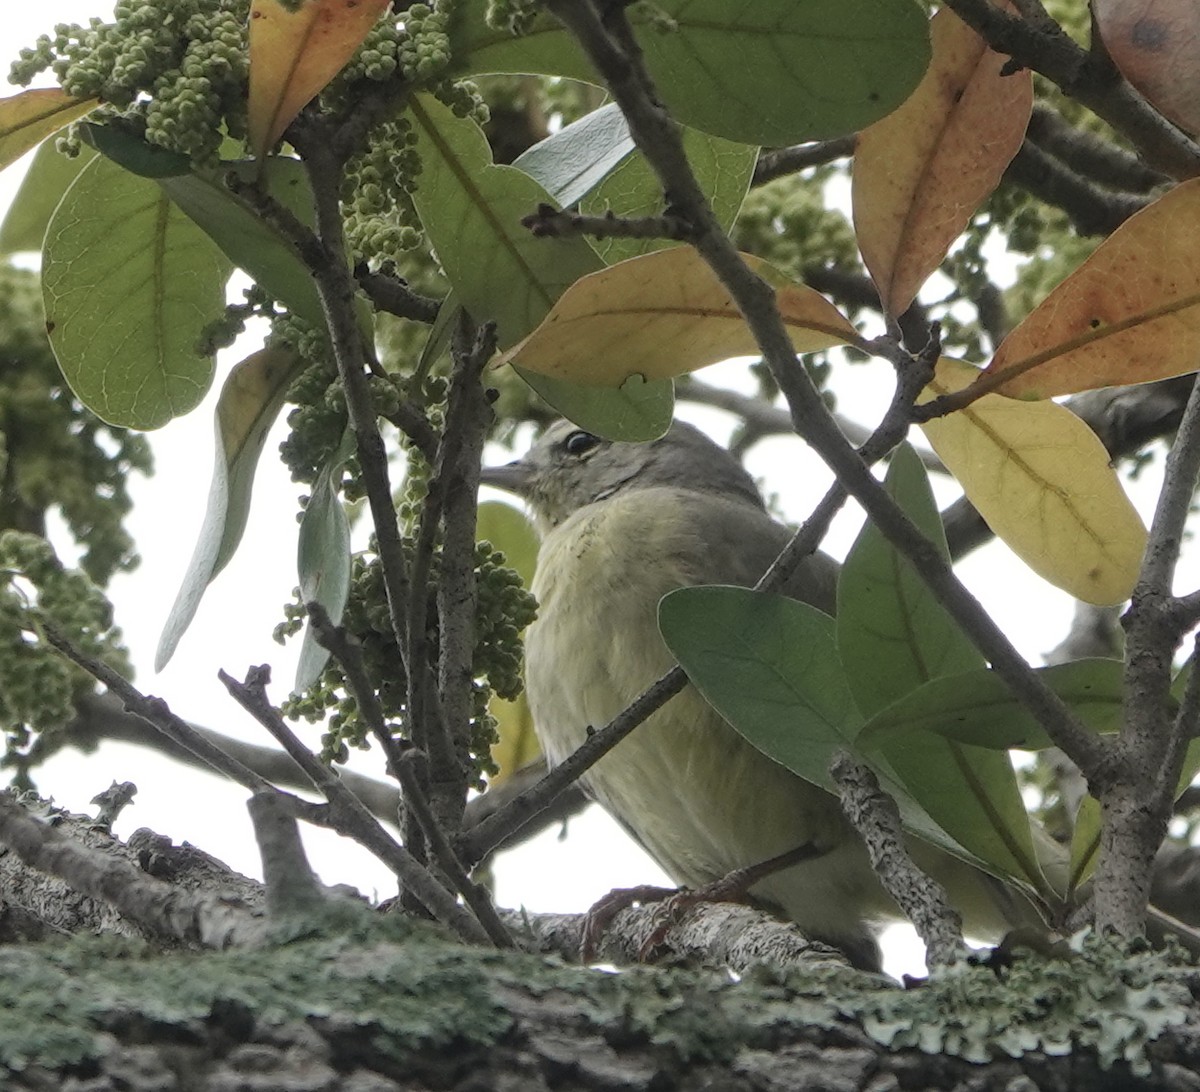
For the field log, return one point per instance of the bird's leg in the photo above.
(732, 887)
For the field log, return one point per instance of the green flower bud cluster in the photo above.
(58, 455)
(505, 609)
(319, 419)
(37, 685)
(381, 221)
(424, 52)
(514, 16)
(224, 331)
(178, 67)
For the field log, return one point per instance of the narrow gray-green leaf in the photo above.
(471, 210)
(637, 410)
(576, 159)
(722, 167)
(978, 708)
(323, 559)
(893, 634)
(129, 284)
(250, 401)
(770, 72)
(48, 178)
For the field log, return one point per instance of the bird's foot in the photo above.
(600, 916)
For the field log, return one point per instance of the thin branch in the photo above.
(1102, 161)
(391, 294)
(876, 817)
(783, 161)
(1091, 209)
(549, 222)
(350, 816)
(336, 290)
(348, 653)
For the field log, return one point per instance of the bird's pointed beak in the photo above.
(515, 477)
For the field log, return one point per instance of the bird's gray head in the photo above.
(568, 468)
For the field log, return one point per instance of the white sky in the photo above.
(233, 626)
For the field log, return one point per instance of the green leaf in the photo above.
(576, 159)
(972, 794)
(769, 666)
(637, 410)
(251, 243)
(722, 167)
(48, 178)
(250, 401)
(1085, 842)
(471, 210)
(978, 708)
(893, 634)
(133, 153)
(771, 72)
(265, 253)
(323, 559)
(129, 284)
(507, 528)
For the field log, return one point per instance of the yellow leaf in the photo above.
(661, 315)
(294, 54)
(1042, 481)
(28, 118)
(518, 745)
(920, 172)
(1129, 314)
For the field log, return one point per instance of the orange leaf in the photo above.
(293, 54)
(661, 315)
(1153, 43)
(28, 118)
(922, 171)
(1129, 314)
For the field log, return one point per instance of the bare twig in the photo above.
(783, 161)
(349, 816)
(348, 653)
(877, 819)
(549, 222)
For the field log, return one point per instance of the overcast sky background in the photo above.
(232, 629)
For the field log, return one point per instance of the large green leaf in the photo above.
(471, 210)
(979, 709)
(129, 284)
(253, 244)
(769, 666)
(893, 634)
(323, 559)
(48, 178)
(250, 401)
(769, 72)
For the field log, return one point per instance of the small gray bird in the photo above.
(622, 525)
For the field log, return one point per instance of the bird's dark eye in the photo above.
(579, 442)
